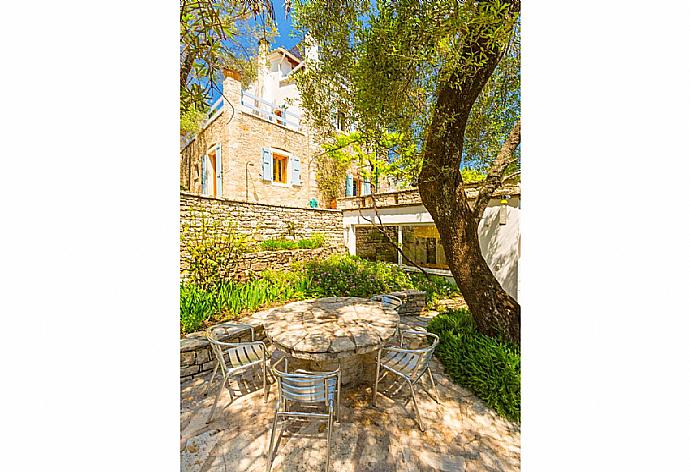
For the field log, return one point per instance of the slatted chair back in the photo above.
(411, 362)
(233, 355)
(308, 387)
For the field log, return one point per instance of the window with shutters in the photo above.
(280, 168)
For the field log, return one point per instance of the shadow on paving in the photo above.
(461, 433)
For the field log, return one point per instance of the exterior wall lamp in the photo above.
(503, 210)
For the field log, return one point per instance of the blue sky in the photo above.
(284, 30)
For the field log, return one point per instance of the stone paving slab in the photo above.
(462, 433)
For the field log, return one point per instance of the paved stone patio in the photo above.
(462, 434)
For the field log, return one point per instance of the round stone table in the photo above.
(325, 333)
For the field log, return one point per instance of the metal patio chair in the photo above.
(410, 365)
(234, 358)
(390, 301)
(315, 390)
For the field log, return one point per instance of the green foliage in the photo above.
(213, 246)
(382, 63)
(339, 275)
(472, 175)
(315, 241)
(488, 367)
(214, 35)
(436, 287)
(196, 306)
(229, 299)
(351, 276)
(191, 119)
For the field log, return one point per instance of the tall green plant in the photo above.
(487, 366)
(213, 247)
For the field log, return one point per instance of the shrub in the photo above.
(487, 366)
(213, 248)
(436, 287)
(278, 244)
(351, 276)
(315, 241)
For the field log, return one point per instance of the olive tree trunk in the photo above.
(442, 190)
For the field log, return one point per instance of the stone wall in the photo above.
(411, 197)
(197, 360)
(371, 244)
(251, 264)
(259, 223)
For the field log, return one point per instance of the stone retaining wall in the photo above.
(221, 217)
(251, 264)
(196, 358)
(260, 221)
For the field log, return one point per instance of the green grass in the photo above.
(485, 365)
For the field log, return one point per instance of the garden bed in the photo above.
(334, 276)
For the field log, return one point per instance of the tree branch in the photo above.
(493, 178)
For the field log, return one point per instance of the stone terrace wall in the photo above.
(260, 222)
(197, 360)
(411, 197)
(252, 264)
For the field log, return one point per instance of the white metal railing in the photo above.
(258, 107)
(214, 111)
(270, 111)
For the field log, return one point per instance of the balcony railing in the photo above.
(270, 111)
(256, 106)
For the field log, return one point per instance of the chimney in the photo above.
(232, 87)
(262, 69)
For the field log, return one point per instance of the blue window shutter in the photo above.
(203, 174)
(296, 180)
(366, 187)
(348, 186)
(219, 173)
(266, 164)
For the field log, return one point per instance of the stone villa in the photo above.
(256, 147)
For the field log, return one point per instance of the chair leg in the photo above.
(215, 402)
(213, 375)
(265, 384)
(433, 387)
(376, 379)
(416, 408)
(269, 454)
(337, 408)
(328, 438)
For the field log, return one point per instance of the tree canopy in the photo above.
(214, 35)
(381, 62)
